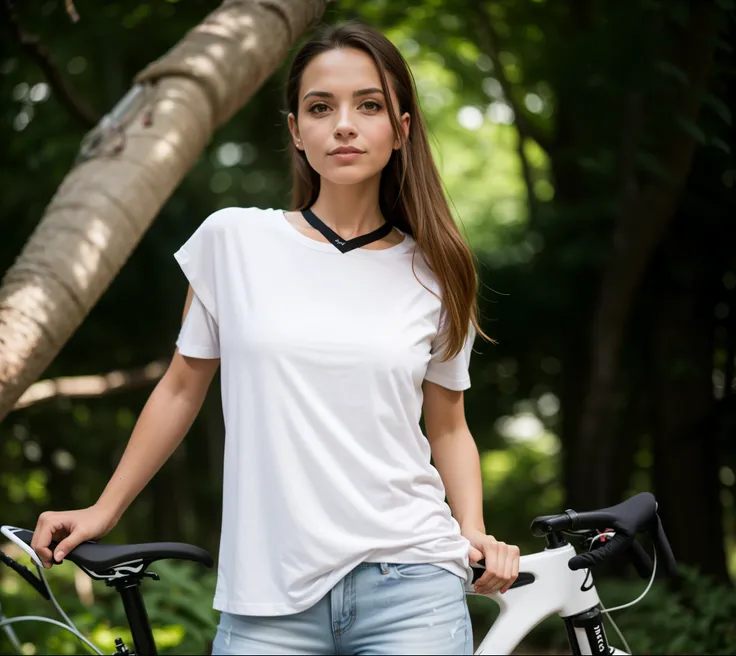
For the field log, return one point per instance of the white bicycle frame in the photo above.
(556, 589)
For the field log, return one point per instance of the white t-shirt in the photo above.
(323, 355)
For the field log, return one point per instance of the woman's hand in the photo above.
(502, 562)
(69, 529)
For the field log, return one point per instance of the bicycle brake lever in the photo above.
(640, 560)
(26, 574)
(664, 550)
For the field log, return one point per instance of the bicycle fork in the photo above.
(586, 633)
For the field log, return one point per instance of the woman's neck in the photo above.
(350, 210)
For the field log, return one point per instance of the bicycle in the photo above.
(557, 580)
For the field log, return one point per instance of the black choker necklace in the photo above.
(345, 245)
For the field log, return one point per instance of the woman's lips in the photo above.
(346, 157)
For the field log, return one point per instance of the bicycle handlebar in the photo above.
(640, 560)
(636, 515)
(616, 545)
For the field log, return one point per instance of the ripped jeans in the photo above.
(376, 609)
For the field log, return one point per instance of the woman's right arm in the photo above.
(164, 421)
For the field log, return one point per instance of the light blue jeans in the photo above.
(376, 609)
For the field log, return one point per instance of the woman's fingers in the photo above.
(499, 581)
(51, 527)
(490, 555)
(513, 566)
(502, 567)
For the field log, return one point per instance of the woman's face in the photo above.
(341, 106)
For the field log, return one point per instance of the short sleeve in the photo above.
(199, 335)
(453, 373)
(201, 259)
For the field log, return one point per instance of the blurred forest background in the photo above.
(587, 148)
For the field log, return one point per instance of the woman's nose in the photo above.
(344, 126)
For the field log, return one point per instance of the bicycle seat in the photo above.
(106, 560)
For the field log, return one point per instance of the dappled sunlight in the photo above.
(83, 251)
(86, 264)
(167, 147)
(216, 51)
(235, 30)
(500, 112)
(476, 149)
(201, 65)
(32, 300)
(226, 24)
(249, 42)
(166, 106)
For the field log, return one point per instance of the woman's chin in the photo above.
(348, 175)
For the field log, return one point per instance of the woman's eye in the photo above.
(374, 106)
(317, 108)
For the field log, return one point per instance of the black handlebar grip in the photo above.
(479, 569)
(640, 560)
(616, 545)
(664, 550)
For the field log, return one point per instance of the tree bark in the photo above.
(104, 205)
(686, 454)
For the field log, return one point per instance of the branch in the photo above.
(42, 56)
(526, 170)
(68, 262)
(489, 42)
(91, 386)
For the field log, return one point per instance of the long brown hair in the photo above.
(411, 195)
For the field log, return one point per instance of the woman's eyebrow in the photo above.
(327, 94)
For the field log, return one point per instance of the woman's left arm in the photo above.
(456, 458)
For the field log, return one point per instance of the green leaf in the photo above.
(721, 145)
(718, 106)
(649, 163)
(670, 70)
(692, 128)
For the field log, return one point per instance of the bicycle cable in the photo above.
(643, 594)
(10, 633)
(69, 626)
(607, 611)
(38, 618)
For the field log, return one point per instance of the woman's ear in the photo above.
(405, 124)
(294, 129)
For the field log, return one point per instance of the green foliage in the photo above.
(696, 615)
(520, 482)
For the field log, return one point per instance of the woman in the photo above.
(336, 325)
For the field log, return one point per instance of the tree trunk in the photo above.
(685, 446)
(104, 205)
(643, 220)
